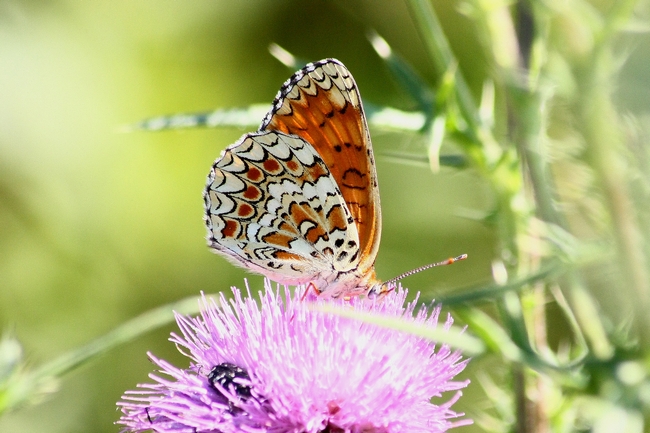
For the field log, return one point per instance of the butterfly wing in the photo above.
(273, 206)
(321, 104)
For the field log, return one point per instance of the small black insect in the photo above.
(225, 374)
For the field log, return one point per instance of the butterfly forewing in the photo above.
(321, 104)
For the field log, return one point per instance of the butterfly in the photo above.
(298, 201)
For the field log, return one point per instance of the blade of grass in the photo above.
(33, 384)
(454, 336)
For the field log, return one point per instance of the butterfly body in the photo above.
(298, 201)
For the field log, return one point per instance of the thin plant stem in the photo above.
(603, 132)
(33, 383)
(443, 60)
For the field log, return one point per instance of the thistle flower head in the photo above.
(280, 366)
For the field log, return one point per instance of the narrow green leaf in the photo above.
(492, 291)
(405, 75)
(250, 117)
(493, 335)
(421, 160)
(246, 117)
(31, 386)
(454, 337)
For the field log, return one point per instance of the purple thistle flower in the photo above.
(282, 367)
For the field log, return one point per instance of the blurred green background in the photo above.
(97, 226)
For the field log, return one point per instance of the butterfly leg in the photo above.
(311, 286)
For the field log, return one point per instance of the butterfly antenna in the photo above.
(449, 261)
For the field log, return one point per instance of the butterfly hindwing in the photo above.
(273, 206)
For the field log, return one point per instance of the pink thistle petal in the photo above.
(299, 370)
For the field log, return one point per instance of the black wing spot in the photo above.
(336, 207)
(339, 243)
(357, 173)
